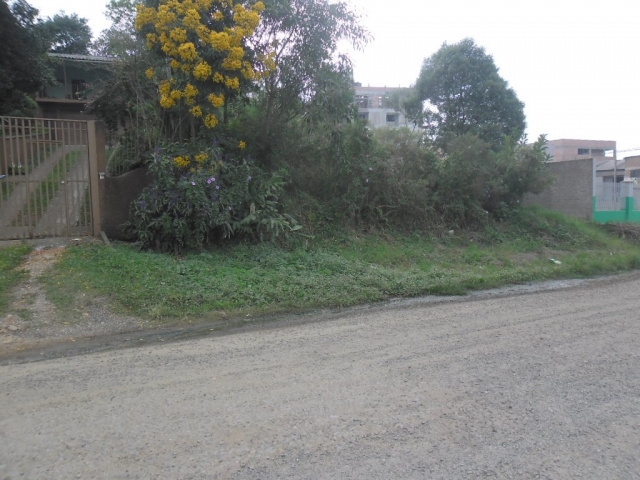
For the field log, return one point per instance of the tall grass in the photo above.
(355, 269)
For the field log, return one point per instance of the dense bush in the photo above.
(475, 181)
(353, 175)
(230, 141)
(407, 173)
(198, 198)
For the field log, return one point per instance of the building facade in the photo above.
(376, 105)
(571, 149)
(78, 78)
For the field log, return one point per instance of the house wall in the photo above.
(571, 191)
(377, 117)
(63, 100)
(90, 75)
(632, 166)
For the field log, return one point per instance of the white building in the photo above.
(374, 106)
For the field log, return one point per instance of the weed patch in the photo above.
(10, 275)
(266, 278)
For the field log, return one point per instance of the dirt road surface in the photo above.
(540, 385)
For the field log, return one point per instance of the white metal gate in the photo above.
(610, 197)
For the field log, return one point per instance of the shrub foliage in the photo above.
(287, 141)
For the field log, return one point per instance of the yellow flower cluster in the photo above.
(182, 161)
(232, 82)
(202, 71)
(216, 100)
(210, 121)
(190, 93)
(188, 52)
(167, 102)
(220, 41)
(181, 29)
(202, 157)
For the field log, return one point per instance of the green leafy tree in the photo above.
(463, 93)
(23, 61)
(128, 102)
(68, 34)
(400, 100)
(120, 39)
(476, 180)
(311, 84)
(305, 35)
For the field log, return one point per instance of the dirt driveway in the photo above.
(540, 385)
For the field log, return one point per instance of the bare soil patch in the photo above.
(33, 320)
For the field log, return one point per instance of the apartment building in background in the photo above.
(375, 106)
(571, 149)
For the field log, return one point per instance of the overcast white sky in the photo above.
(575, 64)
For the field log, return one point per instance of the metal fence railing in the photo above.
(45, 185)
(610, 197)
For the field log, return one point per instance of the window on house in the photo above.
(78, 89)
(583, 151)
(362, 101)
(598, 152)
(391, 117)
(364, 115)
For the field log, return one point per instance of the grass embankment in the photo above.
(351, 270)
(10, 274)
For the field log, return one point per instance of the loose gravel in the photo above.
(540, 385)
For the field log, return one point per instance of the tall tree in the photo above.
(68, 33)
(207, 45)
(120, 40)
(23, 62)
(305, 35)
(462, 92)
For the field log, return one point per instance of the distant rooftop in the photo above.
(358, 86)
(607, 165)
(82, 58)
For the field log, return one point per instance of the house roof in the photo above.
(609, 165)
(82, 58)
(376, 89)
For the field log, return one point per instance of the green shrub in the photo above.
(475, 181)
(405, 179)
(197, 198)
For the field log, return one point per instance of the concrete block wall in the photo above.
(572, 190)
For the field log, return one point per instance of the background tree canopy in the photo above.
(463, 93)
(68, 34)
(23, 60)
(120, 39)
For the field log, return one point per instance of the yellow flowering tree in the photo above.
(208, 54)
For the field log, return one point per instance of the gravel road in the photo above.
(539, 385)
